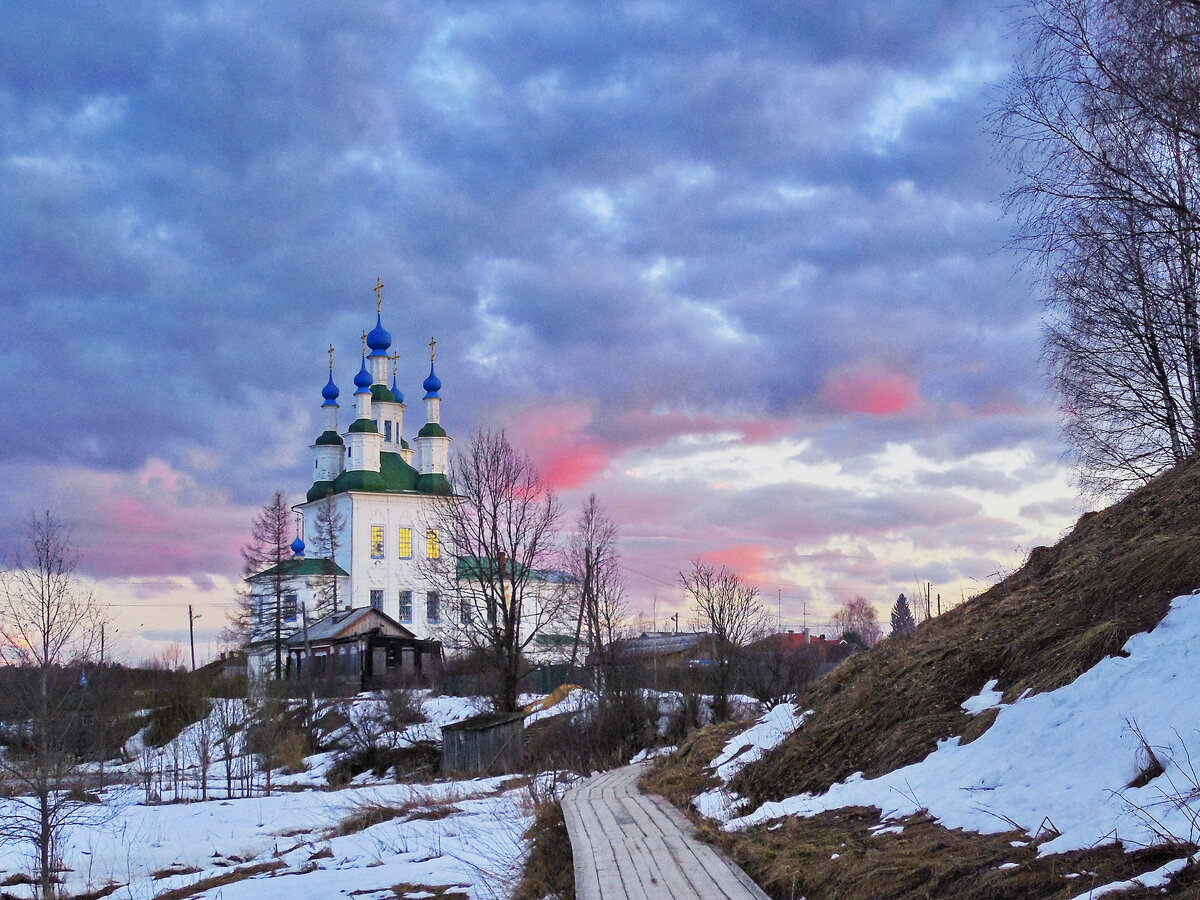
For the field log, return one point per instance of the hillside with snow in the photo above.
(1042, 740)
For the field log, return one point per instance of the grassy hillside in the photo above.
(1067, 608)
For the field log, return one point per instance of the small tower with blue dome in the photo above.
(433, 444)
(329, 451)
(363, 437)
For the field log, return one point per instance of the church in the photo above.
(370, 518)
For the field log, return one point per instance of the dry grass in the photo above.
(549, 868)
(684, 773)
(216, 881)
(797, 858)
(369, 813)
(1066, 609)
(437, 891)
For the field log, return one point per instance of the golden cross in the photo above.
(331, 358)
(378, 294)
(432, 344)
(364, 340)
(394, 358)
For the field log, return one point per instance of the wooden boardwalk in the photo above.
(630, 846)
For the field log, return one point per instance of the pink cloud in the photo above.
(556, 438)
(869, 389)
(750, 561)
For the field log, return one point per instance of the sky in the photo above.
(739, 269)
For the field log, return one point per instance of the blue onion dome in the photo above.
(330, 392)
(432, 384)
(298, 547)
(362, 380)
(396, 391)
(377, 338)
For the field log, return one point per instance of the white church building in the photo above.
(385, 497)
(383, 491)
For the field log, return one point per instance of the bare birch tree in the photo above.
(1101, 122)
(328, 525)
(500, 541)
(49, 627)
(595, 567)
(728, 609)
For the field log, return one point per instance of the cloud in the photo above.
(760, 231)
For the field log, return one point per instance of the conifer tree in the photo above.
(269, 548)
(902, 617)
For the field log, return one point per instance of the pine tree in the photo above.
(902, 617)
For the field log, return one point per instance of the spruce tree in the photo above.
(902, 617)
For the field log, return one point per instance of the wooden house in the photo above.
(488, 744)
(364, 647)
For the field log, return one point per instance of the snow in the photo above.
(464, 834)
(1156, 878)
(1056, 762)
(769, 731)
(987, 698)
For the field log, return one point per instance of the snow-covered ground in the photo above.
(1057, 763)
(465, 834)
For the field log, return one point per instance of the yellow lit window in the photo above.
(405, 543)
(431, 543)
(376, 542)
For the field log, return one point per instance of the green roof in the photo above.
(358, 480)
(434, 484)
(319, 491)
(404, 444)
(397, 474)
(381, 393)
(329, 437)
(363, 425)
(300, 566)
(431, 429)
(478, 567)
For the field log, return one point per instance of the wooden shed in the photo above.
(489, 744)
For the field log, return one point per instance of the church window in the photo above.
(287, 608)
(405, 613)
(464, 611)
(431, 543)
(433, 611)
(406, 543)
(376, 599)
(387, 431)
(376, 542)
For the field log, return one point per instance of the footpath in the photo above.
(630, 846)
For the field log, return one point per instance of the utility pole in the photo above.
(779, 610)
(675, 619)
(191, 633)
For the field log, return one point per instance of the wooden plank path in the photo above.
(630, 846)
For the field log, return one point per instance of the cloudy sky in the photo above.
(739, 268)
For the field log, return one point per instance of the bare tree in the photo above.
(1101, 120)
(729, 609)
(328, 525)
(859, 616)
(501, 540)
(594, 564)
(263, 558)
(50, 626)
